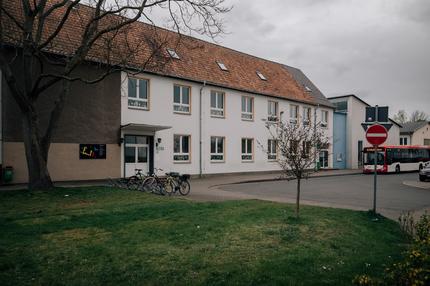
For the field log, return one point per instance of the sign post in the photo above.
(376, 135)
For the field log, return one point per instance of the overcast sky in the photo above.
(376, 49)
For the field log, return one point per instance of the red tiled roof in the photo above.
(198, 58)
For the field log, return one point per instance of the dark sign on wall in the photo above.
(92, 151)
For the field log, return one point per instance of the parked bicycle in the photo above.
(170, 184)
(182, 184)
(135, 182)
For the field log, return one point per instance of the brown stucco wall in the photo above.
(64, 163)
(92, 115)
(92, 112)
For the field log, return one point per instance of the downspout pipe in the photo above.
(200, 130)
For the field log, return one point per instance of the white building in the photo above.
(415, 133)
(355, 109)
(202, 128)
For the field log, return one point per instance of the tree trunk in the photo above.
(36, 153)
(298, 198)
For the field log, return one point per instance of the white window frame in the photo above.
(272, 144)
(324, 118)
(218, 140)
(246, 114)
(222, 66)
(137, 99)
(294, 120)
(181, 153)
(261, 76)
(173, 54)
(272, 116)
(216, 111)
(307, 115)
(182, 105)
(247, 152)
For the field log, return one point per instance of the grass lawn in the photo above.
(103, 236)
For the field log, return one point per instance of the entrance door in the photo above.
(136, 154)
(324, 159)
(360, 153)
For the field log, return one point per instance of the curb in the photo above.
(284, 179)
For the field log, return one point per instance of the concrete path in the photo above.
(348, 191)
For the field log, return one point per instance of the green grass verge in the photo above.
(103, 236)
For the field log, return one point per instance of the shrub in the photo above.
(414, 269)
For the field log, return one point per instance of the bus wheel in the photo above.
(397, 169)
(421, 166)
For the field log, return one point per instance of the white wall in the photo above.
(355, 132)
(232, 127)
(419, 135)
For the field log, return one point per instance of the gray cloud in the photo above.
(377, 49)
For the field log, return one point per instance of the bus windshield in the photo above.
(369, 158)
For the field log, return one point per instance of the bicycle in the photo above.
(182, 183)
(136, 181)
(155, 184)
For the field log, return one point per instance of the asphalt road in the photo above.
(351, 191)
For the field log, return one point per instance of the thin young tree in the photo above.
(298, 144)
(44, 42)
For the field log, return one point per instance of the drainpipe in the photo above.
(200, 129)
(315, 133)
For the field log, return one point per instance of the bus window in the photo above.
(370, 158)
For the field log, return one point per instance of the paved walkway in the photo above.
(208, 188)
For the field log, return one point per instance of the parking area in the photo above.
(348, 191)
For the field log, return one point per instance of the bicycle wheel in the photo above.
(169, 187)
(148, 185)
(184, 188)
(133, 183)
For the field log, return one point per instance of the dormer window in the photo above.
(222, 66)
(261, 76)
(173, 54)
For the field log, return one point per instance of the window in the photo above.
(403, 140)
(272, 149)
(217, 103)
(247, 149)
(293, 146)
(217, 149)
(181, 148)
(138, 93)
(341, 106)
(181, 99)
(294, 114)
(247, 108)
(173, 54)
(306, 145)
(222, 66)
(307, 116)
(324, 118)
(272, 111)
(261, 76)
(308, 89)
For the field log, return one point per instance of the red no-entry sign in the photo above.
(376, 134)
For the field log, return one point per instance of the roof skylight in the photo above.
(173, 53)
(222, 66)
(261, 76)
(307, 88)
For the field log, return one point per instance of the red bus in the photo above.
(395, 158)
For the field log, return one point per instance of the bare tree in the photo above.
(43, 42)
(401, 117)
(419, 116)
(298, 146)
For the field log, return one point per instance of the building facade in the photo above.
(355, 137)
(201, 110)
(415, 133)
